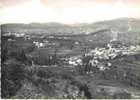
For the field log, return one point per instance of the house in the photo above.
(38, 44)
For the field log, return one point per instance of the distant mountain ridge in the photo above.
(124, 29)
(122, 24)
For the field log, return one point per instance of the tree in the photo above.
(4, 51)
(12, 77)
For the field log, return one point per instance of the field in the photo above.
(69, 65)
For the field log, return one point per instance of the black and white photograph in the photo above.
(70, 49)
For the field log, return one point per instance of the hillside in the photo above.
(82, 61)
(120, 25)
(126, 30)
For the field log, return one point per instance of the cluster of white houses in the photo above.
(99, 54)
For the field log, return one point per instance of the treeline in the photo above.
(13, 61)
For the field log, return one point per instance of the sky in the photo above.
(66, 11)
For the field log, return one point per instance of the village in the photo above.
(111, 51)
(50, 60)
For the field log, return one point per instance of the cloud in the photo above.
(67, 11)
(7, 3)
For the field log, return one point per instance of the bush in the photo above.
(122, 96)
(41, 73)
